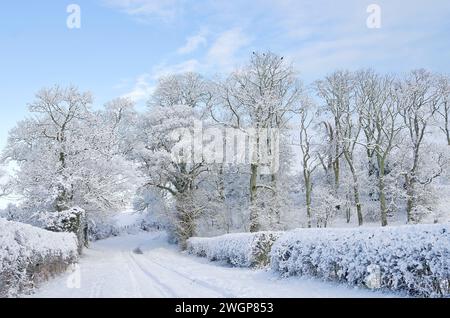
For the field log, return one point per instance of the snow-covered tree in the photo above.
(309, 157)
(335, 90)
(261, 96)
(164, 154)
(189, 89)
(66, 156)
(42, 145)
(419, 99)
(443, 111)
(378, 114)
(344, 130)
(5, 183)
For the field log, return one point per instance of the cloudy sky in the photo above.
(124, 45)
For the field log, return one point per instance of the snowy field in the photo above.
(145, 265)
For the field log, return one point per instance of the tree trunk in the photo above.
(410, 180)
(62, 200)
(275, 200)
(358, 208)
(356, 194)
(357, 198)
(373, 171)
(336, 169)
(446, 123)
(381, 190)
(308, 191)
(347, 209)
(410, 201)
(185, 219)
(254, 223)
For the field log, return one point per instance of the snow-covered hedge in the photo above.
(71, 221)
(414, 259)
(241, 249)
(29, 255)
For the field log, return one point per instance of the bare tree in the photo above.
(378, 115)
(338, 92)
(443, 110)
(334, 90)
(310, 161)
(419, 98)
(263, 95)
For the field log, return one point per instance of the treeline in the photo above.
(354, 146)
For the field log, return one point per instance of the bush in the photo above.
(29, 255)
(109, 227)
(70, 221)
(241, 249)
(413, 259)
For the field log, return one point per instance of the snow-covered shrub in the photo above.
(120, 224)
(240, 249)
(413, 259)
(102, 230)
(72, 221)
(18, 213)
(29, 255)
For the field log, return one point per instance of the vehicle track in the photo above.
(186, 276)
(164, 288)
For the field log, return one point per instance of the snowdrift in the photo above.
(412, 259)
(29, 255)
(240, 250)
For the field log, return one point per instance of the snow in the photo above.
(20, 241)
(128, 218)
(237, 249)
(128, 222)
(413, 259)
(25, 249)
(111, 269)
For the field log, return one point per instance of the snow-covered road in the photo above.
(114, 268)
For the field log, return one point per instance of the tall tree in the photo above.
(189, 89)
(378, 114)
(335, 90)
(165, 155)
(338, 92)
(310, 160)
(419, 99)
(65, 156)
(261, 96)
(443, 110)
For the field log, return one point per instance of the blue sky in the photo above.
(123, 46)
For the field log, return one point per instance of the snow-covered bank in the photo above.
(240, 249)
(414, 259)
(110, 268)
(29, 255)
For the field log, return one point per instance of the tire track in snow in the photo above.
(195, 281)
(96, 290)
(165, 289)
(137, 291)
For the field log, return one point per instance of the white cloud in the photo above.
(321, 37)
(223, 51)
(142, 89)
(318, 38)
(221, 56)
(164, 69)
(144, 84)
(193, 43)
(165, 10)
